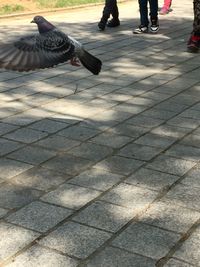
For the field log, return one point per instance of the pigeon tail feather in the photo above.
(90, 62)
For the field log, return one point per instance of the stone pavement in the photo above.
(109, 176)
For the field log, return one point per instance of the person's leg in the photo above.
(166, 6)
(109, 9)
(154, 15)
(106, 14)
(144, 22)
(196, 24)
(143, 13)
(114, 22)
(153, 8)
(115, 11)
(194, 41)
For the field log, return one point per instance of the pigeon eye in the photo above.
(38, 19)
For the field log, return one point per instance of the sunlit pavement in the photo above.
(109, 176)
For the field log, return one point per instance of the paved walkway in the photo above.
(110, 176)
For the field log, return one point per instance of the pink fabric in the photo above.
(167, 4)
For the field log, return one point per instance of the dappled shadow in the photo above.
(108, 153)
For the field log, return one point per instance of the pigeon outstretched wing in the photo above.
(37, 51)
(46, 49)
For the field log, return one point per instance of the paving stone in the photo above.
(68, 164)
(196, 106)
(141, 120)
(183, 83)
(71, 196)
(13, 239)
(3, 212)
(156, 96)
(75, 239)
(10, 168)
(184, 152)
(128, 130)
(114, 257)
(38, 216)
(185, 196)
(151, 179)
(139, 152)
(171, 165)
(185, 99)
(119, 165)
(171, 131)
(100, 125)
(111, 114)
(21, 119)
(42, 257)
(32, 155)
(130, 107)
(20, 92)
(120, 97)
(146, 240)
(49, 126)
(13, 196)
(112, 140)
(197, 131)
(191, 140)
(190, 249)
(40, 178)
(26, 135)
(159, 114)
(58, 143)
(170, 217)
(171, 106)
(176, 263)
(8, 146)
(65, 118)
(155, 140)
(193, 177)
(96, 179)
(130, 196)
(184, 122)
(106, 103)
(91, 151)
(105, 216)
(143, 101)
(78, 132)
(37, 99)
(6, 128)
(3, 89)
(190, 113)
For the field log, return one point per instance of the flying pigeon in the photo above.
(46, 49)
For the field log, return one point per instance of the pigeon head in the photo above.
(43, 24)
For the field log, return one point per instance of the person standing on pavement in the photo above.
(166, 7)
(144, 21)
(110, 8)
(194, 41)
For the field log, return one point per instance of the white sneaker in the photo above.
(154, 28)
(141, 29)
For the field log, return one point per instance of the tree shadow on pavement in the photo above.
(112, 161)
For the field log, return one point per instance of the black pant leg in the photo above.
(110, 9)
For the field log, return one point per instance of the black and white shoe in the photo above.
(154, 28)
(113, 23)
(102, 24)
(141, 29)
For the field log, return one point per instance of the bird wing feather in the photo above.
(37, 51)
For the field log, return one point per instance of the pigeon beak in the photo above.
(32, 21)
